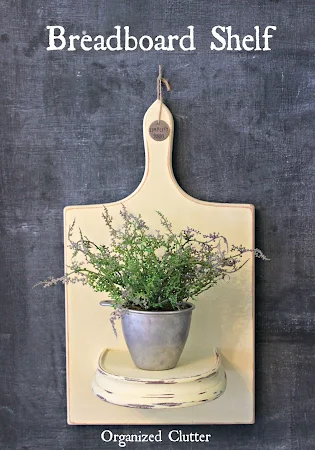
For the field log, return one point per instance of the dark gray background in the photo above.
(71, 133)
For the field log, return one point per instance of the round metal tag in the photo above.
(159, 131)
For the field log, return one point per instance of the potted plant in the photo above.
(152, 276)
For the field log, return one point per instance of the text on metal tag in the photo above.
(159, 131)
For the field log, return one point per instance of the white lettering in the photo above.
(223, 39)
(248, 38)
(233, 36)
(121, 440)
(172, 38)
(170, 436)
(115, 37)
(52, 38)
(110, 436)
(101, 44)
(158, 436)
(190, 38)
(179, 436)
(266, 37)
(72, 38)
(160, 43)
(257, 48)
(234, 42)
(84, 39)
(150, 41)
(218, 37)
(129, 38)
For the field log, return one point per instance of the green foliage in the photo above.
(152, 270)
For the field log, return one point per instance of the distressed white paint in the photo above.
(194, 381)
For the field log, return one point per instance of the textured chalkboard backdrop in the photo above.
(71, 133)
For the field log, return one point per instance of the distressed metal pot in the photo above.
(156, 339)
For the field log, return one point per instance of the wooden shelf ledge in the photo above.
(194, 381)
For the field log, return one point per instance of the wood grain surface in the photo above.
(71, 134)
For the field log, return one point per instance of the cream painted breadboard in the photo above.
(224, 315)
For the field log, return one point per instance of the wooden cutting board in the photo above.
(223, 317)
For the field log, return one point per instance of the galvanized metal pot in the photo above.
(156, 339)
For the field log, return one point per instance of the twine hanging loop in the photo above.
(159, 90)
